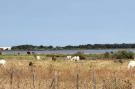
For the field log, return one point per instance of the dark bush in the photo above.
(106, 55)
(30, 63)
(120, 61)
(81, 55)
(123, 55)
(0, 53)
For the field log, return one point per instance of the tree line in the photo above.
(70, 47)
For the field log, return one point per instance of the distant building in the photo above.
(5, 48)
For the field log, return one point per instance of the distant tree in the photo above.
(68, 47)
(0, 53)
(50, 47)
(41, 46)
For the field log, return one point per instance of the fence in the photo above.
(117, 84)
(15, 79)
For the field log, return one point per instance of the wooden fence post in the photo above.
(11, 79)
(93, 80)
(56, 80)
(54, 83)
(77, 81)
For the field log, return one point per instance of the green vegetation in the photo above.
(119, 55)
(123, 55)
(0, 53)
(81, 55)
(108, 55)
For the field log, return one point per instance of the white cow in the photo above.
(38, 57)
(2, 62)
(75, 58)
(131, 64)
(69, 57)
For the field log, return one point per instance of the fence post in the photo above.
(93, 80)
(77, 81)
(18, 82)
(33, 76)
(56, 80)
(115, 82)
(103, 84)
(11, 72)
(11, 79)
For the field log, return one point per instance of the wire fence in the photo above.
(14, 79)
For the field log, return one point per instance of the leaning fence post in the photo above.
(54, 84)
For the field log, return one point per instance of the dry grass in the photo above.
(46, 74)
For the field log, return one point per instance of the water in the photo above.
(66, 51)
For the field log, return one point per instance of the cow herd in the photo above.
(74, 58)
(70, 58)
(131, 64)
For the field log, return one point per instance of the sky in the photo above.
(66, 22)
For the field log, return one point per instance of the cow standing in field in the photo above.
(2, 62)
(131, 64)
(53, 58)
(69, 57)
(28, 52)
(38, 57)
(75, 58)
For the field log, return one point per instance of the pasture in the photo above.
(64, 74)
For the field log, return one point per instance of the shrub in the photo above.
(81, 55)
(119, 61)
(123, 55)
(106, 55)
(30, 63)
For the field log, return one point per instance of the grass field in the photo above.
(64, 74)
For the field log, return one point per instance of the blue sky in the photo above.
(66, 22)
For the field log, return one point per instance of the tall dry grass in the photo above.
(45, 74)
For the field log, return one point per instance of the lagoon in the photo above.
(100, 51)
